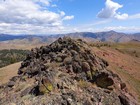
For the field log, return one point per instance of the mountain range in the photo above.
(109, 36)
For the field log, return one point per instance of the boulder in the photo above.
(104, 81)
(11, 84)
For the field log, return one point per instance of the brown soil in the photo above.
(8, 72)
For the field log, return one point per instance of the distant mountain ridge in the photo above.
(6, 37)
(109, 36)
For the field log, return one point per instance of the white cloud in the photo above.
(110, 11)
(68, 17)
(122, 28)
(102, 29)
(62, 13)
(46, 2)
(98, 23)
(121, 17)
(31, 13)
(136, 16)
(29, 29)
(26, 11)
(53, 5)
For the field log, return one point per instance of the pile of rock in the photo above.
(67, 73)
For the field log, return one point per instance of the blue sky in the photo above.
(64, 16)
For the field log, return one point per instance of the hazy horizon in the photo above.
(127, 33)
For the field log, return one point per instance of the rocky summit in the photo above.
(65, 72)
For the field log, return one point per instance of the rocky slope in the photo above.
(65, 73)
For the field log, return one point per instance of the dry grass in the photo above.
(8, 72)
(124, 64)
(131, 48)
(19, 46)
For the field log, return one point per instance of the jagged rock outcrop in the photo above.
(65, 73)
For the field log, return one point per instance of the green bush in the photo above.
(12, 56)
